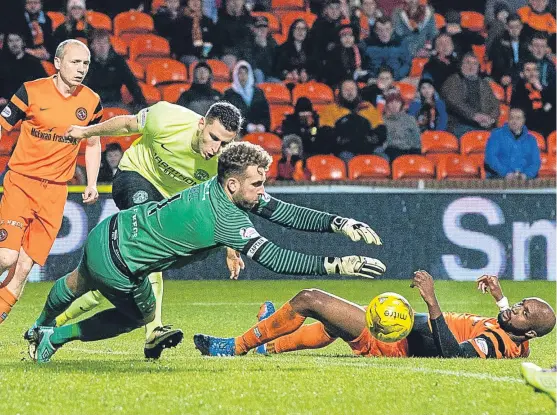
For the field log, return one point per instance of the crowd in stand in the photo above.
(462, 77)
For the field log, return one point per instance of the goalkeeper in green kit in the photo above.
(125, 248)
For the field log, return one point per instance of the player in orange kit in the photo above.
(35, 189)
(435, 334)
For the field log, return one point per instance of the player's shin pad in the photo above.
(355, 266)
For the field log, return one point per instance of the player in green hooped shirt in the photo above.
(121, 251)
(178, 149)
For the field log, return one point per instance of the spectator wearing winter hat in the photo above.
(75, 25)
(304, 122)
(429, 109)
(513, 6)
(201, 94)
(345, 59)
(415, 23)
(261, 51)
(292, 165)
(463, 38)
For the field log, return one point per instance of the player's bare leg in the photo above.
(19, 265)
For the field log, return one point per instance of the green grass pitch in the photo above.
(112, 377)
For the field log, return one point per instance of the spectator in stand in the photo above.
(497, 28)
(383, 48)
(471, 104)
(353, 136)
(508, 52)
(233, 31)
(364, 18)
(38, 39)
(511, 152)
(463, 39)
(429, 109)
(249, 99)
(540, 51)
(75, 26)
(537, 101)
(16, 67)
(292, 165)
(202, 31)
(323, 36)
(261, 51)
(444, 62)
(79, 177)
(109, 164)
(349, 102)
(345, 59)
(537, 17)
(304, 122)
(403, 133)
(201, 94)
(292, 57)
(108, 72)
(513, 6)
(415, 23)
(375, 91)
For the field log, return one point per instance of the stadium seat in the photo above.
(269, 141)
(547, 168)
(276, 93)
(277, 5)
(498, 91)
(290, 17)
(408, 91)
(156, 4)
(439, 142)
(474, 142)
(151, 94)
(368, 167)
(457, 166)
(166, 70)
(503, 114)
(110, 112)
(99, 20)
(57, 19)
(417, 67)
(4, 159)
(49, 68)
(137, 70)
(272, 173)
(278, 114)
(478, 158)
(540, 139)
(413, 167)
(551, 143)
(440, 21)
(7, 142)
(317, 92)
(172, 92)
(274, 23)
(221, 72)
(221, 86)
(326, 167)
(128, 24)
(146, 48)
(472, 20)
(119, 46)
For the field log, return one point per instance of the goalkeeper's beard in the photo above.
(240, 200)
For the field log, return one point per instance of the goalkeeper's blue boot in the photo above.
(265, 311)
(214, 346)
(45, 348)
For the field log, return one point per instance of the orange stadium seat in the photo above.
(417, 67)
(172, 92)
(290, 17)
(272, 173)
(156, 4)
(49, 68)
(151, 94)
(440, 21)
(274, 23)
(547, 168)
(57, 18)
(368, 167)
(457, 166)
(551, 143)
(474, 142)
(4, 162)
(99, 20)
(326, 167)
(127, 24)
(146, 48)
(276, 93)
(110, 112)
(503, 114)
(439, 142)
(540, 139)
(7, 142)
(165, 70)
(479, 159)
(269, 141)
(287, 5)
(413, 167)
(408, 91)
(473, 21)
(317, 92)
(221, 72)
(119, 46)
(498, 91)
(137, 69)
(278, 114)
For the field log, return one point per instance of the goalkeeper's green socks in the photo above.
(85, 303)
(156, 283)
(59, 299)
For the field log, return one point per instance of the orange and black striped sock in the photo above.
(7, 301)
(311, 336)
(285, 320)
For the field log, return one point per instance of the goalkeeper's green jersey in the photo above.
(163, 154)
(187, 226)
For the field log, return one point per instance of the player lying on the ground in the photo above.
(434, 335)
(177, 150)
(123, 249)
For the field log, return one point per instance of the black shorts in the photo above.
(130, 188)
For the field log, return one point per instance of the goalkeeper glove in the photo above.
(355, 230)
(355, 266)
